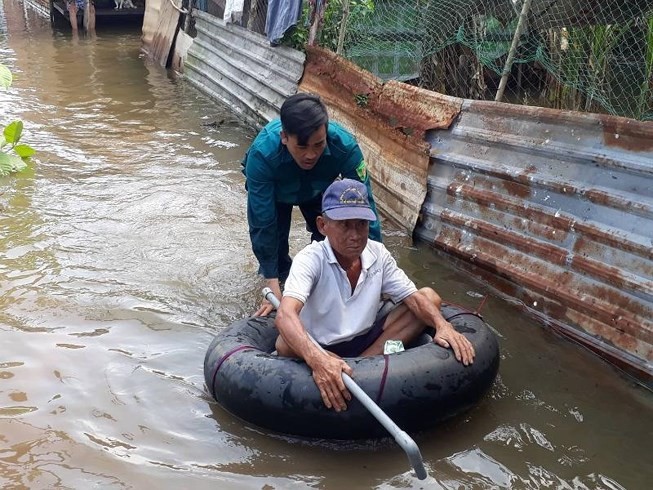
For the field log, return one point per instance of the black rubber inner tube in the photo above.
(417, 388)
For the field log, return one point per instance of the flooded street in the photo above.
(124, 249)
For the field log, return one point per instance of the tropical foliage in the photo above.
(331, 23)
(13, 154)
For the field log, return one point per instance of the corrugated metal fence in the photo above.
(389, 121)
(553, 208)
(240, 68)
(556, 209)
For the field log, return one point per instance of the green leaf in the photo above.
(3, 142)
(24, 151)
(19, 164)
(5, 164)
(10, 164)
(13, 131)
(5, 77)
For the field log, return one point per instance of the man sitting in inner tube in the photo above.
(334, 291)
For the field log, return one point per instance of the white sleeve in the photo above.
(396, 283)
(304, 274)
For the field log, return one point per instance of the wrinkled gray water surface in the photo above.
(124, 249)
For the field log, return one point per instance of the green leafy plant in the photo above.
(331, 24)
(362, 99)
(13, 154)
(5, 77)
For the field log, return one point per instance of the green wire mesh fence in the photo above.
(585, 55)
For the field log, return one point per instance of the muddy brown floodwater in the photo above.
(124, 249)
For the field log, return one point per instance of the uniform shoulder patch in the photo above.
(361, 170)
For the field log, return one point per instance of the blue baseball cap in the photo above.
(347, 199)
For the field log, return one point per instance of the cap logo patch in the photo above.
(352, 196)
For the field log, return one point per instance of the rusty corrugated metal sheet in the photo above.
(240, 68)
(553, 208)
(556, 209)
(389, 121)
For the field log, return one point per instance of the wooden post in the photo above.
(317, 21)
(523, 17)
(343, 26)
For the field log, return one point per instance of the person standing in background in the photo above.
(290, 163)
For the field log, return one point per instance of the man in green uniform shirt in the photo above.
(290, 163)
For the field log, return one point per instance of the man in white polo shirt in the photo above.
(333, 294)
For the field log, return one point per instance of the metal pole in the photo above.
(402, 438)
(523, 16)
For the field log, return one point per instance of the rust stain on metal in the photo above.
(584, 248)
(608, 351)
(389, 121)
(620, 242)
(611, 275)
(412, 107)
(339, 92)
(406, 108)
(619, 132)
(500, 113)
(616, 338)
(545, 208)
(553, 311)
(628, 134)
(615, 316)
(604, 303)
(602, 197)
(558, 226)
(489, 269)
(329, 68)
(617, 310)
(547, 251)
(516, 189)
(620, 317)
(530, 198)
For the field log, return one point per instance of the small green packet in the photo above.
(393, 346)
